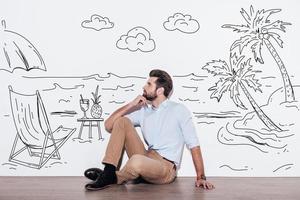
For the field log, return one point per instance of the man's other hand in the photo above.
(205, 184)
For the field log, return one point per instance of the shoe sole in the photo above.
(95, 189)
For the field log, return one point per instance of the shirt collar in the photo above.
(161, 105)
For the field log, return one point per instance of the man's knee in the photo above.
(135, 162)
(121, 121)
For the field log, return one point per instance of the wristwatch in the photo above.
(203, 177)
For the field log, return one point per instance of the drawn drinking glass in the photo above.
(84, 106)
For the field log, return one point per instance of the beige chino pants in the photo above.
(151, 166)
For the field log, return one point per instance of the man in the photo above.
(166, 126)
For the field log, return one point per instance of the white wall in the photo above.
(234, 141)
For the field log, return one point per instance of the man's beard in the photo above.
(149, 97)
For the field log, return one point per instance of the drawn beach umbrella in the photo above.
(18, 52)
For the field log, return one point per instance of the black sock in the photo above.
(109, 168)
(110, 173)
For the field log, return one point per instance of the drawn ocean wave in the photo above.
(230, 135)
(252, 132)
(119, 87)
(89, 77)
(244, 168)
(57, 86)
(110, 74)
(117, 102)
(287, 120)
(268, 77)
(283, 167)
(205, 122)
(220, 115)
(190, 75)
(223, 135)
(96, 77)
(82, 141)
(197, 79)
(55, 164)
(64, 100)
(188, 99)
(65, 113)
(242, 124)
(195, 89)
(9, 164)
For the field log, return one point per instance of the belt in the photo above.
(170, 162)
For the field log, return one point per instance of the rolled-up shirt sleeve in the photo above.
(188, 128)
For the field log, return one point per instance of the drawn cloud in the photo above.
(137, 38)
(183, 23)
(97, 23)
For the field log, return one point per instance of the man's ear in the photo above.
(160, 91)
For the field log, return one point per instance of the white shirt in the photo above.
(166, 129)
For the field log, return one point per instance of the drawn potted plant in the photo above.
(96, 109)
(259, 31)
(233, 77)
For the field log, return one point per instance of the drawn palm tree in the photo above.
(238, 74)
(257, 32)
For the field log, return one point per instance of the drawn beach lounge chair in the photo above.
(34, 133)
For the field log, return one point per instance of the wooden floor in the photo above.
(72, 188)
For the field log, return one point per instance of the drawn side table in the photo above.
(91, 122)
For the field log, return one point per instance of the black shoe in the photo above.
(93, 173)
(102, 182)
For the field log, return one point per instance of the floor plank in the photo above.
(64, 188)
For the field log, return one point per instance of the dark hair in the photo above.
(163, 80)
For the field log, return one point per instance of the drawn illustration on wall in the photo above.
(182, 23)
(257, 128)
(259, 31)
(96, 110)
(138, 38)
(96, 113)
(18, 52)
(244, 168)
(247, 124)
(283, 167)
(237, 74)
(97, 23)
(189, 84)
(35, 142)
(65, 99)
(80, 101)
(56, 85)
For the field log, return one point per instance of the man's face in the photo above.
(149, 90)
